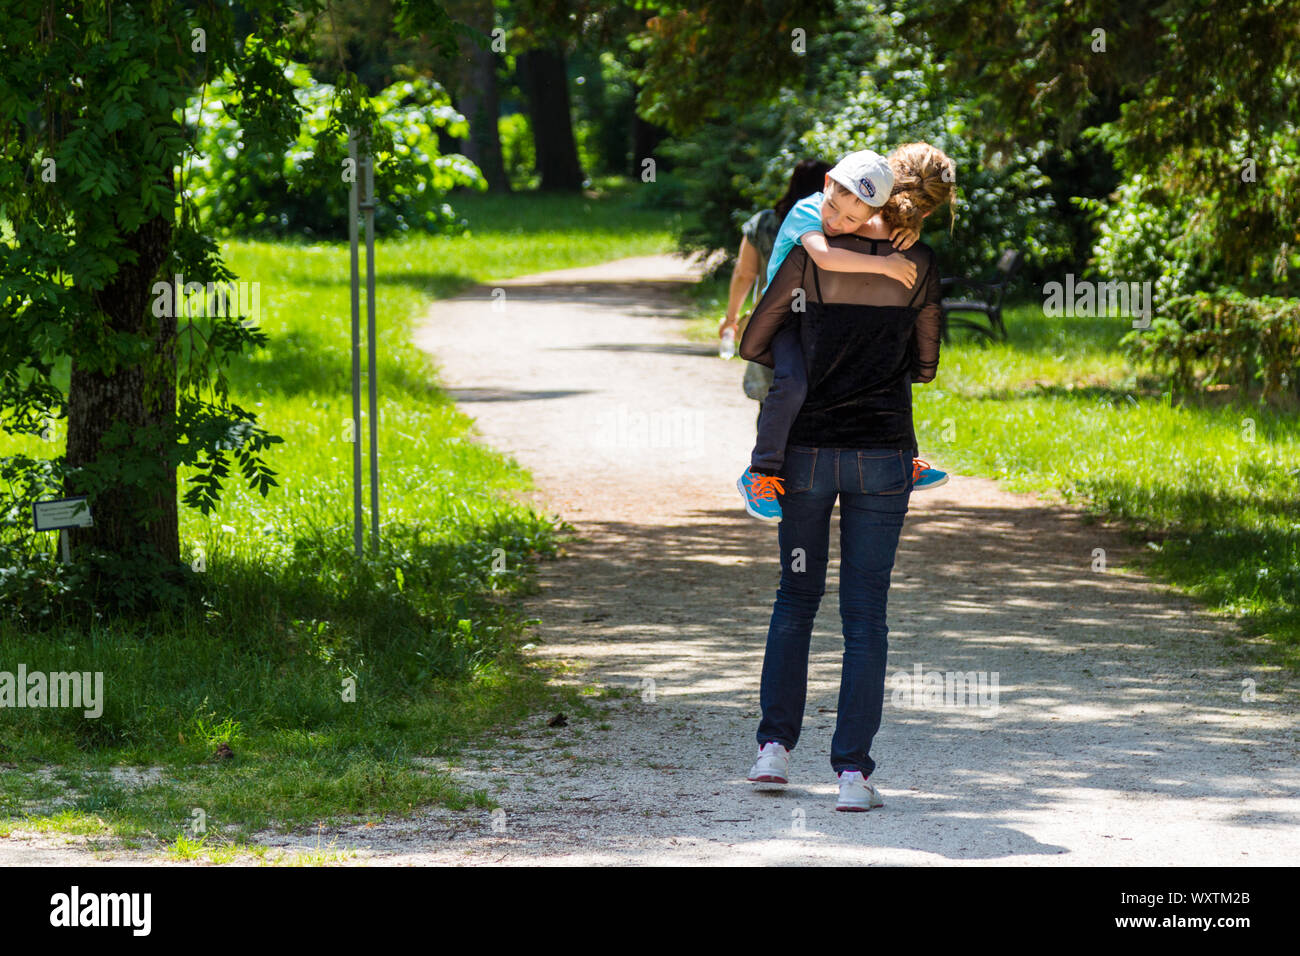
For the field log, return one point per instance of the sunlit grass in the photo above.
(1214, 486)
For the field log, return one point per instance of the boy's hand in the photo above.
(903, 237)
(899, 268)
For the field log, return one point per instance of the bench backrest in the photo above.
(1008, 264)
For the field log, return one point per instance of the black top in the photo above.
(865, 339)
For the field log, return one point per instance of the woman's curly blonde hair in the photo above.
(924, 179)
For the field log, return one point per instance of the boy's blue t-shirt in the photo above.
(804, 216)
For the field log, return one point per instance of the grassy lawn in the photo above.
(426, 632)
(522, 234)
(1212, 487)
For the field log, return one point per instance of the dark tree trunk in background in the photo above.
(125, 514)
(645, 138)
(448, 144)
(543, 77)
(478, 99)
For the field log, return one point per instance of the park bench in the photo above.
(987, 302)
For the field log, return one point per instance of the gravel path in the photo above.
(1119, 733)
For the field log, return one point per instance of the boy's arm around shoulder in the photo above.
(825, 253)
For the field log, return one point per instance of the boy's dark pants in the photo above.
(783, 401)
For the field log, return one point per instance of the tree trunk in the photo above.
(645, 138)
(475, 79)
(481, 106)
(546, 83)
(129, 510)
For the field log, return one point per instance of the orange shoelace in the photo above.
(767, 486)
(918, 465)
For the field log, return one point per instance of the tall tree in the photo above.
(1206, 99)
(477, 96)
(90, 154)
(702, 59)
(546, 84)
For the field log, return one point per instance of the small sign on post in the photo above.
(59, 514)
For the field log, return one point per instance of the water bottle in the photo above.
(727, 347)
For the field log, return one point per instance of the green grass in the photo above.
(1212, 486)
(519, 235)
(426, 631)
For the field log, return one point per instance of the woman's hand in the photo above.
(729, 322)
(903, 237)
(899, 268)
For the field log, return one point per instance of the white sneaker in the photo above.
(772, 766)
(856, 793)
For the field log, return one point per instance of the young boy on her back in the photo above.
(855, 188)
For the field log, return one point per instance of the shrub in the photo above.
(517, 151)
(869, 89)
(1224, 338)
(265, 193)
(1143, 235)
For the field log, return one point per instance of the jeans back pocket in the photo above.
(799, 469)
(884, 471)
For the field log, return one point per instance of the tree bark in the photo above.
(130, 510)
(544, 78)
(645, 137)
(481, 106)
(478, 99)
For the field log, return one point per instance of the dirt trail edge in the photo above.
(1118, 734)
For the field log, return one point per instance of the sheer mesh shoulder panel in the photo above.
(774, 309)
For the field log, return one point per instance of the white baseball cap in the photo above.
(867, 175)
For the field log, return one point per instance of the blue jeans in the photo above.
(873, 486)
(779, 408)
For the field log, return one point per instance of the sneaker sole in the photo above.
(740, 486)
(767, 778)
(853, 809)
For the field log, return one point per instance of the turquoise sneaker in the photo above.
(923, 476)
(759, 492)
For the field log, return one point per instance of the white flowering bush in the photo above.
(302, 190)
(1144, 235)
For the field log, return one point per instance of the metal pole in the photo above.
(356, 350)
(369, 207)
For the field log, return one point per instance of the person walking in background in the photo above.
(750, 273)
(866, 338)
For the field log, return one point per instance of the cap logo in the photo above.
(865, 187)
